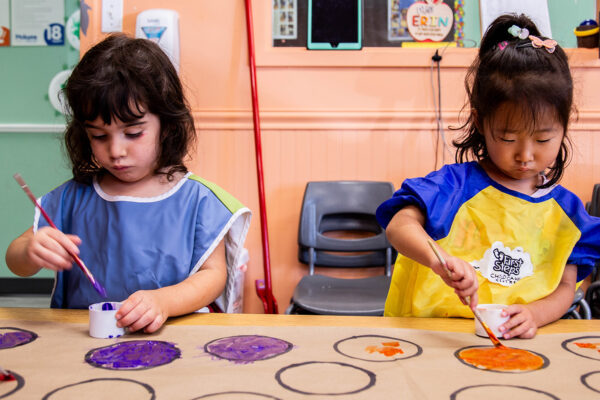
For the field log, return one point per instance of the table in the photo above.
(325, 357)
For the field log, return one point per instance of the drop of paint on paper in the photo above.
(377, 348)
(388, 349)
(594, 346)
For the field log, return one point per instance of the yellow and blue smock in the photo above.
(518, 244)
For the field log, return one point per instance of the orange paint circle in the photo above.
(501, 359)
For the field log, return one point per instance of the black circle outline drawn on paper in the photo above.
(418, 353)
(93, 364)
(33, 336)
(142, 384)
(289, 347)
(370, 374)
(566, 342)
(586, 384)
(453, 395)
(267, 396)
(544, 358)
(20, 383)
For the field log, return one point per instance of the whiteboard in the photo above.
(537, 10)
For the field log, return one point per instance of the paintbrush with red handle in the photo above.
(78, 260)
(493, 337)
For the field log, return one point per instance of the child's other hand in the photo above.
(521, 323)
(49, 247)
(142, 310)
(462, 277)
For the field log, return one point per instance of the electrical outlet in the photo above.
(112, 16)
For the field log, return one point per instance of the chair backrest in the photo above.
(594, 208)
(343, 206)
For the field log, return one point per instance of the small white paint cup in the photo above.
(491, 315)
(103, 324)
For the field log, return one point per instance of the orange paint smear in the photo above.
(389, 349)
(595, 346)
(502, 359)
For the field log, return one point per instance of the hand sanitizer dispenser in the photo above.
(162, 27)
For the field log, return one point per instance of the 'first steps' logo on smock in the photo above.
(502, 265)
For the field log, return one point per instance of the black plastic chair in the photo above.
(342, 206)
(592, 294)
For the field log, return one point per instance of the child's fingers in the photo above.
(474, 300)
(53, 257)
(130, 310)
(144, 320)
(76, 240)
(155, 324)
(519, 325)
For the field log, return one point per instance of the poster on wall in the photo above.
(4, 23)
(285, 19)
(421, 21)
(430, 20)
(397, 27)
(37, 22)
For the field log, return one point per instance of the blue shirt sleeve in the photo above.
(439, 195)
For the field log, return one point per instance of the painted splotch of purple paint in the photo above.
(13, 337)
(133, 354)
(247, 348)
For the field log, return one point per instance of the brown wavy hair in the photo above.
(529, 79)
(123, 78)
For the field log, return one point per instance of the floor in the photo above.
(25, 300)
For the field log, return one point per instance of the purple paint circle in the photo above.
(12, 337)
(133, 354)
(247, 348)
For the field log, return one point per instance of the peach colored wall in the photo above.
(324, 116)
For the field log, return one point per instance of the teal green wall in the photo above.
(25, 73)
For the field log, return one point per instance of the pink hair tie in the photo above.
(502, 45)
(549, 44)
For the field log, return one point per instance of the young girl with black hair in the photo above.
(157, 237)
(509, 233)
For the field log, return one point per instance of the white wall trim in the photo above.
(32, 128)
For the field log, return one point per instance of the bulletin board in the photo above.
(279, 362)
(564, 15)
(376, 20)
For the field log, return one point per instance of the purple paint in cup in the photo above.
(103, 324)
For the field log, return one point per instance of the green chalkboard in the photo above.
(30, 131)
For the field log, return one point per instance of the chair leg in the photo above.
(585, 310)
(592, 297)
(291, 309)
